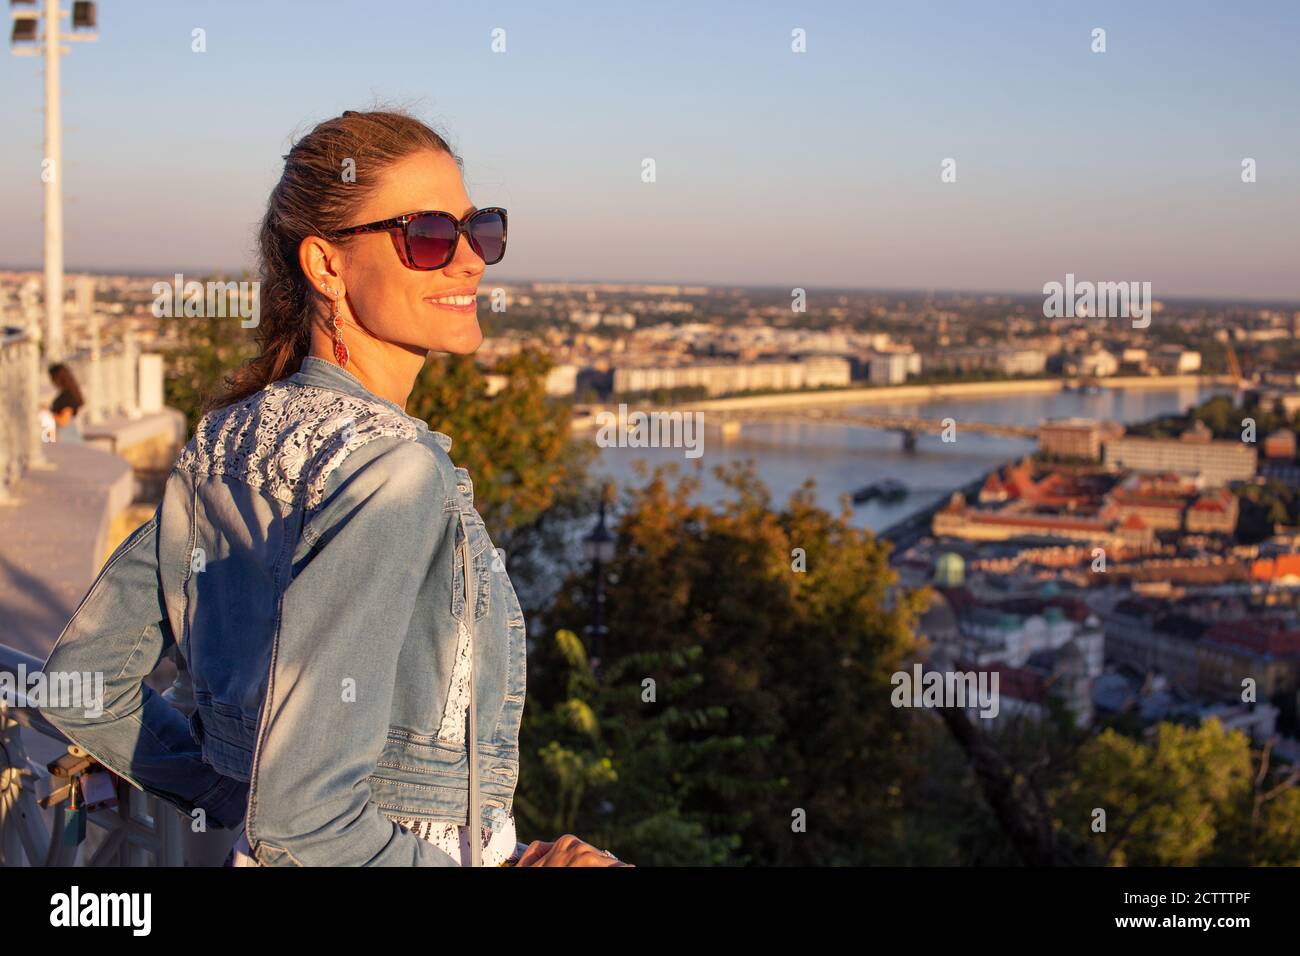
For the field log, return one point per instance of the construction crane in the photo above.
(1241, 384)
(1234, 367)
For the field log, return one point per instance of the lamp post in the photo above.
(25, 42)
(599, 549)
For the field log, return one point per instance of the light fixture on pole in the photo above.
(598, 547)
(27, 40)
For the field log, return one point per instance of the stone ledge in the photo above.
(150, 442)
(52, 538)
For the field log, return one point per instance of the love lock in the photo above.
(90, 787)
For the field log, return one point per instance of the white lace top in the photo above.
(453, 838)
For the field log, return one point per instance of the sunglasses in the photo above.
(429, 238)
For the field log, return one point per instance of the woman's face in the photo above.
(394, 303)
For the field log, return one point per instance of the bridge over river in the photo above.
(732, 421)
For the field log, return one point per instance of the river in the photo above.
(843, 458)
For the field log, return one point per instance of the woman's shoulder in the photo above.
(289, 439)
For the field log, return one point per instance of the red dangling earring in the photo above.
(340, 348)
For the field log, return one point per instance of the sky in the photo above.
(815, 169)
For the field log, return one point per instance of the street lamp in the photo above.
(24, 41)
(598, 547)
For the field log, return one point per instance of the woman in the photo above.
(66, 404)
(356, 666)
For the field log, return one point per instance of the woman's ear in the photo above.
(320, 262)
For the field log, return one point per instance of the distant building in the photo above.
(561, 380)
(1022, 362)
(1097, 364)
(1281, 569)
(959, 520)
(1159, 500)
(1174, 360)
(1264, 650)
(1071, 438)
(949, 570)
(1141, 633)
(1216, 462)
(1041, 648)
(1210, 659)
(890, 368)
(1173, 503)
(1006, 360)
(1281, 378)
(725, 379)
(1289, 403)
(1214, 512)
(1125, 509)
(938, 625)
(1280, 444)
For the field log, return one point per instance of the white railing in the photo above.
(133, 829)
(20, 428)
(109, 380)
(110, 383)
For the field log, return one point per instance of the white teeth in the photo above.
(456, 299)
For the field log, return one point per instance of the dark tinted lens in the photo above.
(487, 234)
(431, 239)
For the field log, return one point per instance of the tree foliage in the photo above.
(1192, 796)
(517, 444)
(796, 661)
(207, 349)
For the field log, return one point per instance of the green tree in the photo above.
(797, 637)
(517, 444)
(1192, 796)
(207, 349)
(1262, 507)
(614, 767)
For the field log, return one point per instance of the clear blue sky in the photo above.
(815, 169)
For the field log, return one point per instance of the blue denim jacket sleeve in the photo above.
(119, 633)
(344, 616)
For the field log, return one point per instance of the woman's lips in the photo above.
(468, 307)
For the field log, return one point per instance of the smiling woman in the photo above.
(353, 263)
(357, 664)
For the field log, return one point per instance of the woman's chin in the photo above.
(464, 344)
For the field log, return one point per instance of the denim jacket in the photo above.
(309, 561)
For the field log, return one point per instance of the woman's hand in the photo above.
(568, 850)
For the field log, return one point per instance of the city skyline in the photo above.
(850, 135)
(192, 273)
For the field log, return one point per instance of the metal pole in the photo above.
(36, 373)
(53, 189)
(600, 611)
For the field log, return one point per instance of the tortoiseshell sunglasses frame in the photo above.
(404, 222)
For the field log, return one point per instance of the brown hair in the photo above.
(69, 391)
(314, 198)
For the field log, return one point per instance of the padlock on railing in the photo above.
(74, 824)
(90, 787)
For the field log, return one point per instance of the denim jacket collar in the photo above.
(322, 374)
